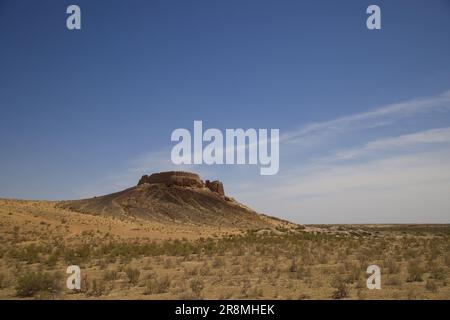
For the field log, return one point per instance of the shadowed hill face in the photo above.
(174, 197)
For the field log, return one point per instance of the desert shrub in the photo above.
(415, 272)
(293, 266)
(35, 283)
(156, 286)
(342, 290)
(97, 288)
(78, 255)
(323, 258)
(354, 272)
(246, 285)
(85, 285)
(438, 273)
(29, 254)
(392, 266)
(52, 260)
(361, 283)
(103, 264)
(268, 268)
(218, 263)
(204, 270)
(431, 285)
(133, 275)
(110, 275)
(168, 264)
(197, 287)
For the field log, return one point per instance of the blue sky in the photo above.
(364, 115)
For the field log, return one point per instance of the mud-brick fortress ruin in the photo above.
(182, 179)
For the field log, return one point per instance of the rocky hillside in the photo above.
(175, 196)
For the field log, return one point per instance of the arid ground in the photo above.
(125, 258)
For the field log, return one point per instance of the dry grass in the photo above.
(38, 242)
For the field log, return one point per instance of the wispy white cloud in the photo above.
(432, 136)
(383, 116)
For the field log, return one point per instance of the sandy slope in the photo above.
(183, 205)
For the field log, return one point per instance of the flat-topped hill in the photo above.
(175, 196)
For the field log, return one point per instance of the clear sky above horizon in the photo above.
(87, 112)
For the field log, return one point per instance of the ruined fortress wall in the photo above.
(183, 179)
(215, 186)
(179, 178)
